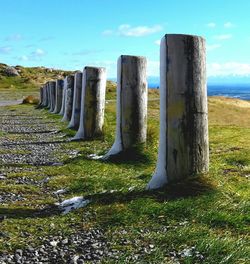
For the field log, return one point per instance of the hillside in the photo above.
(29, 80)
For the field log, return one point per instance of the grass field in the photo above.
(203, 220)
(207, 215)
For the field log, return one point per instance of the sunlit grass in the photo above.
(210, 212)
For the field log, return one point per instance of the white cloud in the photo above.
(38, 52)
(211, 25)
(223, 37)
(14, 37)
(228, 68)
(213, 47)
(5, 50)
(23, 58)
(229, 25)
(33, 56)
(127, 30)
(110, 65)
(213, 69)
(36, 55)
(158, 42)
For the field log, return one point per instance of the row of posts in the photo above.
(183, 146)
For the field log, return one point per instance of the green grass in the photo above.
(209, 212)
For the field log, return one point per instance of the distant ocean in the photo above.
(240, 91)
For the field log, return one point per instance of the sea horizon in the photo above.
(227, 89)
(233, 90)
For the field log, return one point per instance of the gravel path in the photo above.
(29, 141)
(12, 102)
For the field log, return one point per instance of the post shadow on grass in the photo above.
(132, 156)
(191, 187)
(20, 213)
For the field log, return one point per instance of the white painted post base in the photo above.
(183, 147)
(92, 103)
(69, 92)
(131, 107)
(76, 110)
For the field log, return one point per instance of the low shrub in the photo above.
(30, 100)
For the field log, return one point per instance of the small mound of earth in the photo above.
(30, 100)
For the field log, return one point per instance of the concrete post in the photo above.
(58, 100)
(63, 97)
(183, 148)
(131, 108)
(52, 86)
(69, 92)
(75, 117)
(92, 103)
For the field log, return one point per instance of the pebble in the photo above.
(57, 249)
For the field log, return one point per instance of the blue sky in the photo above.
(74, 33)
